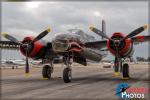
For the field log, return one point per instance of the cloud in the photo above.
(21, 20)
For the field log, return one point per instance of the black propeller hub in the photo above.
(27, 46)
(117, 42)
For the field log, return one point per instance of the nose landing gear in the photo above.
(67, 75)
(47, 70)
(67, 72)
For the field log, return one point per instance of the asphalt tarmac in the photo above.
(89, 82)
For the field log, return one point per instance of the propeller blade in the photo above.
(97, 31)
(41, 35)
(136, 32)
(11, 38)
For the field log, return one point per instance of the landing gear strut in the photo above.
(117, 65)
(125, 71)
(124, 68)
(67, 73)
(47, 70)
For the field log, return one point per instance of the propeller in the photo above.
(28, 45)
(136, 32)
(11, 38)
(117, 42)
(41, 35)
(95, 30)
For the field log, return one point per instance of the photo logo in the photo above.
(125, 91)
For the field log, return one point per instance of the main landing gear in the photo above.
(47, 70)
(125, 71)
(123, 68)
(67, 73)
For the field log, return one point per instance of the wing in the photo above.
(9, 45)
(140, 39)
(96, 44)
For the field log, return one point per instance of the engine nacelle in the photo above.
(91, 55)
(36, 50)
(125, 47)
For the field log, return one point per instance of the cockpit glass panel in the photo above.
(75, 34)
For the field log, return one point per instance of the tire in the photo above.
(121, 66)
(67, 75)
(46, 72)
(116, 65)
(125, 70)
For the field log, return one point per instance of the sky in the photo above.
(22, 19)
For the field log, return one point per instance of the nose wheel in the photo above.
(67, 72)
(47, 71)
(67, 75)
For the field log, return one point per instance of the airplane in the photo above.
(13, 62)
(75, 46)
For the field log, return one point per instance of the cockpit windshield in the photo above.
(75, 34)
(67, 36)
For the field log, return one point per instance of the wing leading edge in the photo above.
(96, 44)
(140, 39)
(9, 45)
(103, 43)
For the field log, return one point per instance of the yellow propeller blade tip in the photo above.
(145, 26)
(27, 74)
(4, 34)
(91, 27)
(48, 29)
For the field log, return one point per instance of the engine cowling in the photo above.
(36, 49)
(125, 47)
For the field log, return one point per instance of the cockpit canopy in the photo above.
(75, 34)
